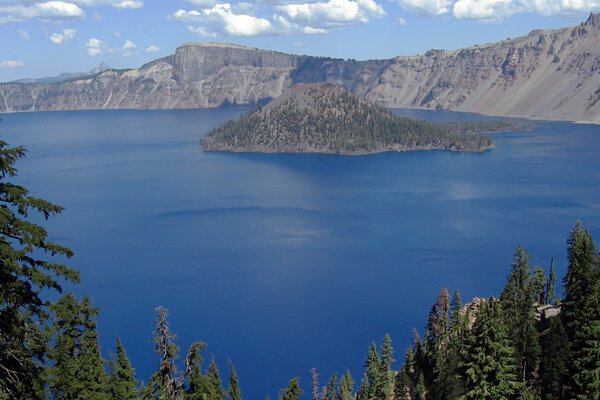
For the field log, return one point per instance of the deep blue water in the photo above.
(285, 262)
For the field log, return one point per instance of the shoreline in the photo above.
(347, 153)
(246, 106)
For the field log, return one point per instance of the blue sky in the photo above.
(48, 37)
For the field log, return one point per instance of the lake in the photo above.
(291, 261)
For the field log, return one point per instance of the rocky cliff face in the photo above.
(549, 74)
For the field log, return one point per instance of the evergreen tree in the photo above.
(164, 384)
(581, 314)
(420, 390)
(550, 297)
(330, 392)
(25, 279)
(233, 391)
(314, 381)
(372, 378)
(213, 379)
(447, 383)
(554, 359)
(67, 330)
(346, 387)
(488, 358)
(517, 300)
(90, 377)
(193, 371)
(122, 383)
(292, 391)
(387, 376)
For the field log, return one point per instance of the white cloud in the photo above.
(222, 18)
(10, 64)
(401, 21)
(487, 9)
(202, 2)
(188, 16)
(133, 4)
(23, 34)
(66, 36)
(49, 10)
(495, 10)
(333, 12)
(152, 49)
(129, 45)
(305, 18)
(238, 24)
(117, 34)
(430, 7)
(94, 47)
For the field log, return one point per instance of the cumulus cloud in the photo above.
(222, 18)
(66, 36)
(129, 48)
(202, 2)
(306, 18)
(152, 49)
(128, 45)
(23, 34)
(238, 24)
(333, 12)
(94, 47)
(430, 7)
(10, 64)
(113, 3)
(49, 10)
(494, 10)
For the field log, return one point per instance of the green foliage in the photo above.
(122, 383)
(581, 314)
(233, 392)
(292, 391)
(164, 384)
(372, 379)
(550, 293)
(24, 278)
(346, 387)
(488, 360)
(554, 359)
(522, 290)
(326, 118)
(331, 389)
(77, 369)
(91, 378)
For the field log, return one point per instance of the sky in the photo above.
(42, 38)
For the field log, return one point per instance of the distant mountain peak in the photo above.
(593, 20)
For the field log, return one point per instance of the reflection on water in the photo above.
(285, 262)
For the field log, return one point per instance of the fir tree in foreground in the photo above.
(581, 315)
(164, 383)
(122, 383)
(26, 278)
(292, 391)
(489, 359)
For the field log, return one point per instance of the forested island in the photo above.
(526, 343)
(325, 118)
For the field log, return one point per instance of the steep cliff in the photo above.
(547, 74)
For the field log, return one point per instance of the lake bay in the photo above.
(283, 262)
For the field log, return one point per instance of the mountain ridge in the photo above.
(552, 74)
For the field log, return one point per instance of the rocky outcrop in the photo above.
(546, 74)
